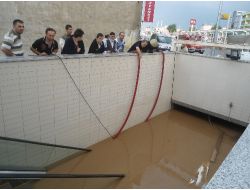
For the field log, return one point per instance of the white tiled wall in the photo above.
(211, 84)
(39, 102)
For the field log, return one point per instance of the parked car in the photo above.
(195, 48)
(238, 54)
(192, 47)
(165, 42)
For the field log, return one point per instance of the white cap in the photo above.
(154, 43)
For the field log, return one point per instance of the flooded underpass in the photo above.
(176, 149)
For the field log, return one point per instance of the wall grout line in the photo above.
(54, 103)
(3, 118)
(173, 80)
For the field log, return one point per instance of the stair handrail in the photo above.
(44, 144)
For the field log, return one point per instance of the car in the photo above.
(164, 42)
(195, 48)
(192, 47)
(238, 54)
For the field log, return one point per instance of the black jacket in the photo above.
(147, 49)
(41, 46)
(71, 48)
(110, 48)
(95, 49)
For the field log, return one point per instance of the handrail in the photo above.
(22, 169)
(55, 175)
(45, 144)
(6, 172)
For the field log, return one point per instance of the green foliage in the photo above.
(172, 28)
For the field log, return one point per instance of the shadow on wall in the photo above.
(131, 36)
(79, 14)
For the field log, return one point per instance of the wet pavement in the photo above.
(176, 149)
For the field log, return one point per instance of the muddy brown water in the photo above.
(173, 150)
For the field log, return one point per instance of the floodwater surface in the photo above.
(173, 150)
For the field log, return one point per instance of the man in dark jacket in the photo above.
(97, 45)
(111, 43)
(74, 44)
(68, 34)
(144, 46)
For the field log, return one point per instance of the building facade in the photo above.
(245, 22)
(92, 17)
(237, 19)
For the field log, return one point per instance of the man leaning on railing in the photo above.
(46, 45)
(12, 43)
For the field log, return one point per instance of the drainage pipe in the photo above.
(159, 90)
(133, 99)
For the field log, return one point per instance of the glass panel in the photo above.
(240, 33)
(164, 39)
(21, 155)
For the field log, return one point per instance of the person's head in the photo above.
(121, 35)
(18, 26)
(78, 34)
(99, 38)
(50, 34)
(112, 35)
(154, 43)
(144, 43)
(106, 36)
(68, 29)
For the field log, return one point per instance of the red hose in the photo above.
(133, 100)
(159, 90)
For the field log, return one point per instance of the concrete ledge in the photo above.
(4, 59)
(234, 172)
(25, 58)
(212, 57)
(236, 121)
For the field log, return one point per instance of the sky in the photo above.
(205, 12)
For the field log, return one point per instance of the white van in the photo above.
(165, 42)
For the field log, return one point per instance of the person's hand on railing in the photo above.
(78, 49)
(43, 54)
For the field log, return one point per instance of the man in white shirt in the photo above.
(12, 43)
(120, 42)
(106, 37)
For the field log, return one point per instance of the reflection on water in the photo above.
(173, 150)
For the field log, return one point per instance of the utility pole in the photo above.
(217, 22)
(217, 26)
(141, 19)
(228, 21)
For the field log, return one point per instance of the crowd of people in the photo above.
(70, 43)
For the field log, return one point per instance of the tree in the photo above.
(214, 27)
(172, 28)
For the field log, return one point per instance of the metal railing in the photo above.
(8, 175)
(44, 144)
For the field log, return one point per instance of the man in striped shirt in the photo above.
(12, 43)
